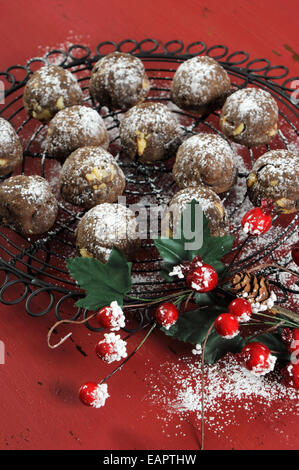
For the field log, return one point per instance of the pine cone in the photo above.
(255, 289)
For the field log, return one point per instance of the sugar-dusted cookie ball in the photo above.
(205, 159)
(249, 117)
(74, 127)
(27, 204)
(91, 176)
(11, 153)
(50, 89)
(275, 176)
(119, 81)
(106, 226)
(149, 132)
(210, 203)
(200, 85)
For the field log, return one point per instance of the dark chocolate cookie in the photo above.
(210, 203)
(150, 132)
(74, 127)
(50, 89)
(249, 117)
(27, 204)
(91, 176)
(11, 152)
(275, 176)
(106, 226)
(205, 159)
(119, 81)
(200, 85)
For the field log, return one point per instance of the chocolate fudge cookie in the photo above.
(205, 159)
(200, 85)
(249, 117)
(210, 203)
(275, 176)
(50, 89)
(74, 127)
(119, 81)
(106, 226)
(149, 132)
(27, 204)
(11, 153)
(91, 176)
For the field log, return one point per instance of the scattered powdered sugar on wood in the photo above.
(229, 388)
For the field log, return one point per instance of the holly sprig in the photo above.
(111, 281)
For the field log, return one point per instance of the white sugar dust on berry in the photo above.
(256, 221)
(111, 317)
(183, 269)
(204, 278)
(93, 394)
(226, 326)
(167, 315)
(257, 358)
(241, 309)
(111, 348)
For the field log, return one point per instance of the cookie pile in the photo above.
(204, 165)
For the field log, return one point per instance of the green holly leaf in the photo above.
(192, 327)
(103, 283)
(173, 250)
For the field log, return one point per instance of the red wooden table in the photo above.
(38, 394)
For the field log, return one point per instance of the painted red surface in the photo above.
(39, 407)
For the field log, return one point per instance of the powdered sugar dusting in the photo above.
(228, 388)
(203, 157)
(198, 76)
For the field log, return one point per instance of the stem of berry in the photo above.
(236, 255)
(130, 355)
(203, 385)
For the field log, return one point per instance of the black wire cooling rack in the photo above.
(32, 271)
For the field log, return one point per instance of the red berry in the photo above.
(256, 221)
(291, 339)
(111, 317)
(111, 348)
(104, 349)
(167, 314)
(87, 393)
(257, 358)
(104, 317)
(291, 375)
(295, 254)
(203, 279)
(241, 309)
(226, 325)
(92, 394)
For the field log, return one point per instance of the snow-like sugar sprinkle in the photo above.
(119, 347)
(251, 104)
(7, 134)
(177, 271)
(118, 319)
(100, 396)
(197, 75)
(229, 387)
(260, 369)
